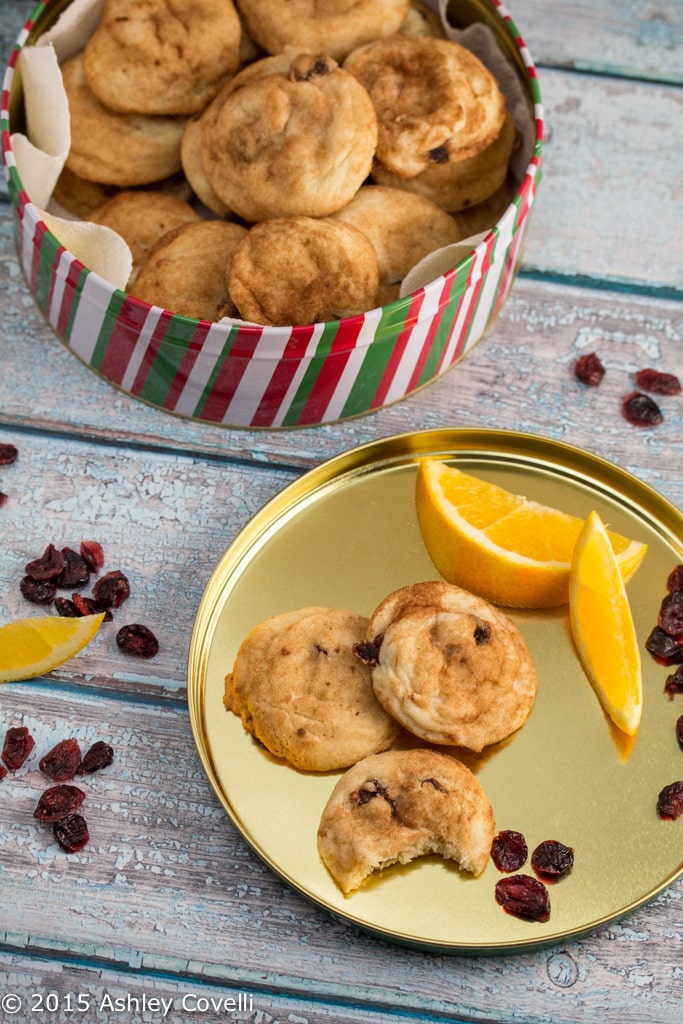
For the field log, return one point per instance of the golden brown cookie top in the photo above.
(435, 101)
(451, 668)
(185, 271)
(327, 26)
(401, 804)
(302, 270)
(300, 690)
(113, 148)
(402, 226)
(289, 135)
(162, 56)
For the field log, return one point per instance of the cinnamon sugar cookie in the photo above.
(334, 27)
(456, 185)
(112, 148)
(435, 101)
(191, 156)
(395, 806)
(422, 20)
(302, 270)
(450, 667)
(162, 56)
(185, 271)
(141, 218)
(299, 689)
(402, 226)
(289, 135)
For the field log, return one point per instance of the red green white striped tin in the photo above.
(247, 376)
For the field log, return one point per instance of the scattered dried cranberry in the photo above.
(552, 859)
(640, 410)
(589, 369)
(524, 896)
(38, 591)
(8, 454)
(138, 640)
(71, 833)
(657, 382)
(61, 763)
(48, 566)
(112, 589)
(670, 617)
(3, 497)
(18, 745)
(664, 648)
(679, 730)
(674, 683)
(66, 608)
(509, 850)
(88, 606)
(75, 572)
(99, 756)
(3, 772)
(674, 580)
(58, 802)
(92, 554)
(670, 801)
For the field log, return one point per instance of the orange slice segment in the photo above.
(32, 646)
(602, 626)
(501, 545)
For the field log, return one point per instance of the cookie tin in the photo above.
(345, 535)
(266, 377)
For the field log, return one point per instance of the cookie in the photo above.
(299, 689)
(402, 226)
(482, 216)
(162, 56)
(78, 196)
(334, 27)
(422, 20)
(450, 667)
(185, 271)
(112, 148)
(191, 157)
(289, 135)
(435, 101)
(302, 270)
(142, 218)
(396, 806)
(456, 185)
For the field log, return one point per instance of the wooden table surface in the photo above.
(167, 902)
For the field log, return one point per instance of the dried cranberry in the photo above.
(589, 369)
(75, 572)
(524, 896)
(674, 580)
(3, 772)
(552, 859)
(138, 640)
(88, 606)
(8, 454)
(679, 730)
(657, 382)
(367, 652)
(71, 833)
(18, 745)
(58, 802)
(48, 566)
(92, 554)
(674, 683)
(640, 410)
(99, 756)
(3, 497)
(38, 591)
(66, 608)
(61, 763)
(509, 850)
(670, 801)
(112, 589)
(670, 617)
(664, 648)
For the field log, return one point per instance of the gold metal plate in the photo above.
(345, 535)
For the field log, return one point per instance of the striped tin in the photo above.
(248, 376)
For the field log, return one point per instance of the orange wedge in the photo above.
(31, 647)
(602, 626)
(501, 545)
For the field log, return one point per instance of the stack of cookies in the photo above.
(433, 667)
(273, 162)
